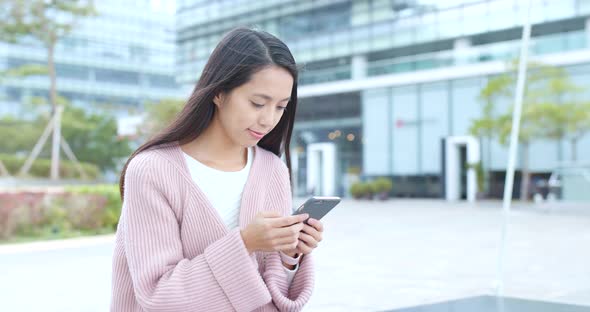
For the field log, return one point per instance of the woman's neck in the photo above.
(215, 149)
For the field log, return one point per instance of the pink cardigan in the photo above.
(174, 253)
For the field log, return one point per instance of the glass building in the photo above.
(385, 81)
(116, 61)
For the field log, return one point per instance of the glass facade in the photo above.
(324, 30)
(329, 119)
(123, 58)
(435, 55)
(403, 128)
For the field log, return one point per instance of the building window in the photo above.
(162, 81)
(116, 76)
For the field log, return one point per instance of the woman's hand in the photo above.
(270, 231)
(309, 238)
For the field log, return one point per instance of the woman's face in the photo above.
(252, 110)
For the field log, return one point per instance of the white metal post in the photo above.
(509, 183)
(56, 143)
(38, 146)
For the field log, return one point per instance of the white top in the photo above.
(224, 190)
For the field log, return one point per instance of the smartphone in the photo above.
(318, 206)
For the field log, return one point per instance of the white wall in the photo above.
(327, 151)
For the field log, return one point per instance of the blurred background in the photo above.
(405, 110)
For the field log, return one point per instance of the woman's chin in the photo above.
(249, 143)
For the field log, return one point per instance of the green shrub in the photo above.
(371, 188)
(80, 209)
(357, 190)
(382, 185)
(42, 167)
(8, 206)
(113, 204)
(20, 212)
(56, 218)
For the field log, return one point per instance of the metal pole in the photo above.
(56, 143)
(3, 170)
(66, 147)
(509, 183)
(38, 146)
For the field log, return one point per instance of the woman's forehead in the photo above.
(274, 83)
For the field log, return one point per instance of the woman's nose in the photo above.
(266, 117)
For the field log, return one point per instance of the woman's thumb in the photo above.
(270, 214)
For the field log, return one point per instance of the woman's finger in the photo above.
(289, 220)
(316, 224)
(313, 232)
(288, 231)
(309, 240)
(284, 241)
(304, 248)
(288, 247)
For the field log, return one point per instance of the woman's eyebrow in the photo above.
(266, 97)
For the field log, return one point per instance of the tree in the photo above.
(93, 138)
(46, 21)
(160, 114)
(578, 125)
(18, 136)
(570, 121)
(545, 88)
(487, 125)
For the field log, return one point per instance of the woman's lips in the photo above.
(255, 134)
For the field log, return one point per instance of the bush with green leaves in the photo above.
(20, 212)
(363, 189)
(357, 190)
(79, 209)
(382, 185)
(92, 138)
(41, 168)
(110, 192)
(371, 188)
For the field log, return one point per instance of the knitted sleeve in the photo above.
(223, 278)
(284, 296)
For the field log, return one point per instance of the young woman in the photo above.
(206, 222)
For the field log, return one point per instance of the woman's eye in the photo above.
(282, 108)
(257, 105)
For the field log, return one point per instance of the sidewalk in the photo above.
(375, 256)
(61, 244)
(384, 255)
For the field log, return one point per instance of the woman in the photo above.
(206, 222)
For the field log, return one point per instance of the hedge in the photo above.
(42, 167)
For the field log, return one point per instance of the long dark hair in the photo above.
(240, 53)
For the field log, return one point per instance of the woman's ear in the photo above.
(218, 99)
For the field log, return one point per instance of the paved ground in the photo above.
(375, 256)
